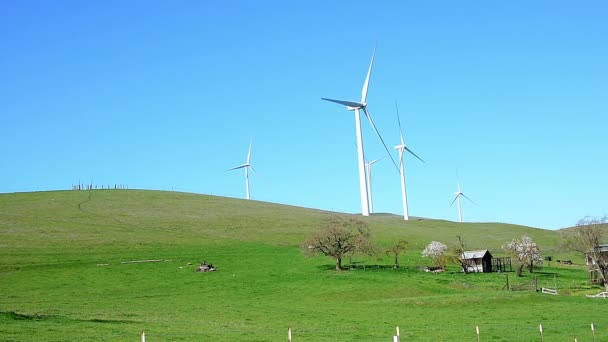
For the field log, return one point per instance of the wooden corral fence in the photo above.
(599, 295)
(543, 282)
(502, 264)
(531, 285)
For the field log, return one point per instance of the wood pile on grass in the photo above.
(205, 267)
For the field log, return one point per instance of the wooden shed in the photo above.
(594, 276)
(478, 261)
(603, 251)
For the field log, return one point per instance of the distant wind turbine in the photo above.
(402, 148)
(246, 166)
(368, 169)
(356, 107)
(457, 198)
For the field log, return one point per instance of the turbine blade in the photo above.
(376, 160)
(249, 153)
(238, 167)
(454, 200)
(369, 117)
(399, 122)
(414, 154)
(345, 103)
(465, 196)
(367, 79)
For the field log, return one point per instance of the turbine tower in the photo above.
(246, 166)
(368, 169)
(457, 198)
(402, 148)
(357, 107)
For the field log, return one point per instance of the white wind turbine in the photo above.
(246, 166)
(402, 148)
(457, 196)
(368, 169)
(356, 107)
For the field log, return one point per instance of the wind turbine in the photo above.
(246, 166)
(356, 107)
(402, 148)
(457, 198)
(368, 169)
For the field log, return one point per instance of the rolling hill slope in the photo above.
(63, 276)
(134, 219)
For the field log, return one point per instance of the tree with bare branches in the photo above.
(396, 250)
(458, 256)
(340, 236)
(586, 239)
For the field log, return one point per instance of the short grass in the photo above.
(61, 276)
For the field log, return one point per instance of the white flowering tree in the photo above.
(436, 252)
(525, 252)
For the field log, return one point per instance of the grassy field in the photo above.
(62, 276)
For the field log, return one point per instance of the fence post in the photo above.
(542, 337)
(289, 334)
(143, 336)
(398, 335)
(555, 280)
(477, 331)
(593, 331)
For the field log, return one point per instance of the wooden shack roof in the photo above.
(479, 254)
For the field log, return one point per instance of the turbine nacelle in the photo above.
(402, 148)
(360, 106)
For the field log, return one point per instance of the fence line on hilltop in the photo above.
(92, 186)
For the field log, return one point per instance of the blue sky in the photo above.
(167, 95)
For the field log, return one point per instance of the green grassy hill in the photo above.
(62, 275)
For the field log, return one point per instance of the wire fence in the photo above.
(471, 333)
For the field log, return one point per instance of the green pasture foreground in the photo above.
(62, 276)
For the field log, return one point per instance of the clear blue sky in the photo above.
(167, 95)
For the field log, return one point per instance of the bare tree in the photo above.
(525, 252)
(458, 257)
(340, 236)
(586, 239)
(396, 250)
